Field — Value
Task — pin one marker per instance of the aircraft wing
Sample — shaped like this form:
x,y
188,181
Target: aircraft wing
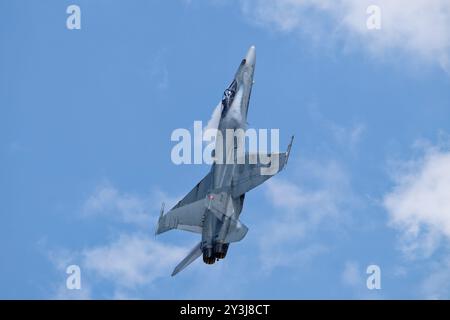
x,y
197,193
188,213
255,170
191,257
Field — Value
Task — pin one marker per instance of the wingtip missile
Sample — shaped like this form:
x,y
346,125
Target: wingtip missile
x,y
288,151
161,214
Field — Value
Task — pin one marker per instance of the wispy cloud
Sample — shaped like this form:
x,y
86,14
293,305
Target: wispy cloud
x,y
132,260
107,201
354,278
61,258
418,207
419,203
418,28
128,260
320,198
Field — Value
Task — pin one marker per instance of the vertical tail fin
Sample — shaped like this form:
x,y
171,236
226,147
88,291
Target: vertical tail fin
x,y
194,254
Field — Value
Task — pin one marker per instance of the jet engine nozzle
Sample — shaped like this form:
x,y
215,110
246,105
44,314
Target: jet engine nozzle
x,y
209,256
221,250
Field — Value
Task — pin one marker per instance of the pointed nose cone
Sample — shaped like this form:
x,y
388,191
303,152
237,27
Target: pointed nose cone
x,y
250,58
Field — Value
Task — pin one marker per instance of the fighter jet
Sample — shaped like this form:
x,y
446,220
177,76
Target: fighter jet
x,y
213,207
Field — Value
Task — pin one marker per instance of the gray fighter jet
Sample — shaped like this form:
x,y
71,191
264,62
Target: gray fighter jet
x,y
212,208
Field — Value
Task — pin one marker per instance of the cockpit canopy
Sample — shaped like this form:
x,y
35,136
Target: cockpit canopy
x,y
229,94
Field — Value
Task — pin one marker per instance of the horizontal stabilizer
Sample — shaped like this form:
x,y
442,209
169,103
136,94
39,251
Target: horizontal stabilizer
x,y
194,254
237,231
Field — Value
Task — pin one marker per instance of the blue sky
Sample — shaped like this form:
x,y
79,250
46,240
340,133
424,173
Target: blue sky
x,y
85,123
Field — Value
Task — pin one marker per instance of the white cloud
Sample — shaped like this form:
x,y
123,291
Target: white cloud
x,y
418,28
320,199
107,201
419,204
354,278
318,192
128,260
62,258
132,260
